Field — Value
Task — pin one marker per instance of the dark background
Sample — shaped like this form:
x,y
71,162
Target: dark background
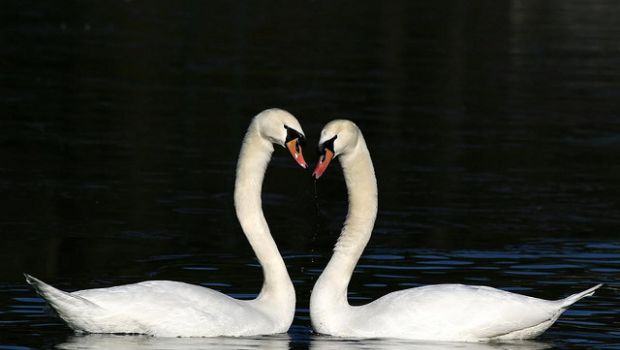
x,y
494,127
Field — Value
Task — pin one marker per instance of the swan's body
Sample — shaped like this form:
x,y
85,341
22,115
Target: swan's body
x,y
166,308
162,308
450,312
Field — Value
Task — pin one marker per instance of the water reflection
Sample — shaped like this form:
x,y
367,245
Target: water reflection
x,y
281,341
328,343
141,342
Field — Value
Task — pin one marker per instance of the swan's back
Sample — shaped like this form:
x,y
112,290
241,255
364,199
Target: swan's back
x,y
458,312
162,308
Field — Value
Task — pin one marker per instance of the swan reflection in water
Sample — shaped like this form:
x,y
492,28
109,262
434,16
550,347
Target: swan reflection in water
x,y
334,343
145,342
276,342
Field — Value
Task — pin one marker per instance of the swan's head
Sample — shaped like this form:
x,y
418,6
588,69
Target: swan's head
x,y
282,128
338,137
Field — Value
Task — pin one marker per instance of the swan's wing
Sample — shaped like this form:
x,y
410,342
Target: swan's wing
x,y
175,308
453,311
162,308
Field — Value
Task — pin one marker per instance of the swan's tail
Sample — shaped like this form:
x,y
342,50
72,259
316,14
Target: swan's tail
x,y
64,303
568,301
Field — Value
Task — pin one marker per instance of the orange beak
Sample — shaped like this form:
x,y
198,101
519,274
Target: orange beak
x,y
323,163
295,149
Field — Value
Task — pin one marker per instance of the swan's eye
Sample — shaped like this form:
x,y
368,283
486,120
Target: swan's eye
x,y
292,134
329,144
302,140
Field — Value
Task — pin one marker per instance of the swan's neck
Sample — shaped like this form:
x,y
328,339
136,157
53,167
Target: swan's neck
x,y
253,160
330,290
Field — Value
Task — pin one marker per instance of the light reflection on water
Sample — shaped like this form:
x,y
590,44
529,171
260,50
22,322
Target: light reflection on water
x,y
98,341
326,343
127,342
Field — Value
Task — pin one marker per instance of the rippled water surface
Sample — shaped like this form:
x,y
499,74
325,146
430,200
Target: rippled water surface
x,y
494,130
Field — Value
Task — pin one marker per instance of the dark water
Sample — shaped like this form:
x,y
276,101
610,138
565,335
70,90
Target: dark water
x,y
494,128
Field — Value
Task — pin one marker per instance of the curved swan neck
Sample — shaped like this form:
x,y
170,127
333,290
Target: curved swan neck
x,y
362,191
359,175
254,157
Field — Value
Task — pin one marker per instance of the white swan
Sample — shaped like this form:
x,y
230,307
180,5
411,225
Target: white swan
x,y
167,308
450,312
